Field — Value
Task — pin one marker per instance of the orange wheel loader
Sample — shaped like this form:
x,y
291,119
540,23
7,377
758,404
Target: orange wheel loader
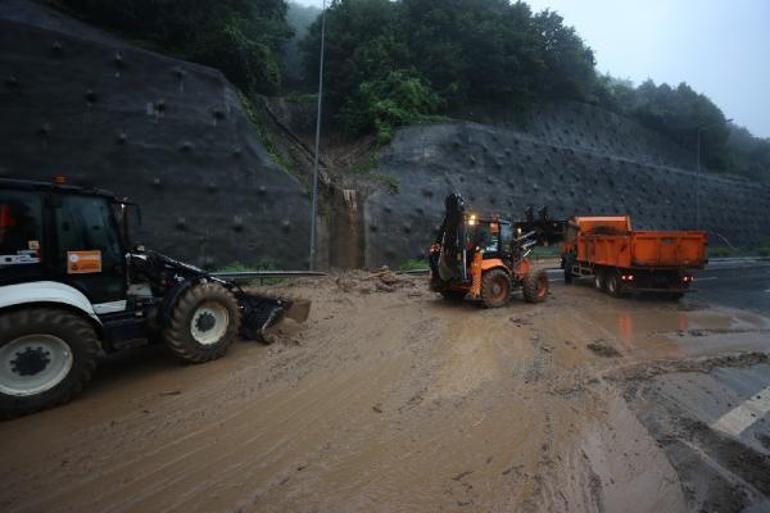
x,y
485,258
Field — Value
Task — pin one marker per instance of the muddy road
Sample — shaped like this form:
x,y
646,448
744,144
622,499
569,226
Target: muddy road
x,y
389,399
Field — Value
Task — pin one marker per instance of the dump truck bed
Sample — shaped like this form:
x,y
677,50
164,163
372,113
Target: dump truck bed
x,y
643,249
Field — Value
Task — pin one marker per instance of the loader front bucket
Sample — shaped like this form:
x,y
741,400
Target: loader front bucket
x,y
260,312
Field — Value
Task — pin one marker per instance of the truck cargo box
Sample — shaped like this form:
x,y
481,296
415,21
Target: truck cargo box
x,y
652,249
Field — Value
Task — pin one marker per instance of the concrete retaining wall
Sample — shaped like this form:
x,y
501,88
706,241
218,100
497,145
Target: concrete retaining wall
x,y
169,134
591,163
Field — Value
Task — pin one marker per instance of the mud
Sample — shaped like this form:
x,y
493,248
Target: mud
x,y
390,399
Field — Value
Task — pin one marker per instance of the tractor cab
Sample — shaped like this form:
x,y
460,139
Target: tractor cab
x,y
65,234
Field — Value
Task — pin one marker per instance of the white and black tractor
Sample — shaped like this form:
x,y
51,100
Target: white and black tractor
x,y
72,288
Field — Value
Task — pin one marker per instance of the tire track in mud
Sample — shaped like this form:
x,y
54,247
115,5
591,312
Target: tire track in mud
x,y
236,429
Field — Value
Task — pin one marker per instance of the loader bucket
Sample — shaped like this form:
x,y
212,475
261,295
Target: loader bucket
x,y
261,312
299,310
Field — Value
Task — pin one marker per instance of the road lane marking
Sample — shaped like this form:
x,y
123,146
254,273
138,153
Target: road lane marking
x,y
705,279
740,418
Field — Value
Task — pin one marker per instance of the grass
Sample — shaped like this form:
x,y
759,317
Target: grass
x,y
364,168
264,135
413,264
238,267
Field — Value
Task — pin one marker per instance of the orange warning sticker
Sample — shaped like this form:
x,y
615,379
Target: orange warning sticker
x,y
84,262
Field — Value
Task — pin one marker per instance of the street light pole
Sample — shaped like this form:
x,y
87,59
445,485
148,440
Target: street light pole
x,y
317,140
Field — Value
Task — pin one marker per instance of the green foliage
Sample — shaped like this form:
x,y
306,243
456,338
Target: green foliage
x,y
238,267
748,155
264,134
680,114
413,265
390,181
390,63
240,37
398,98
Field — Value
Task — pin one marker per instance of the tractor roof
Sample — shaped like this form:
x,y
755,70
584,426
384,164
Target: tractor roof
x,y
38,185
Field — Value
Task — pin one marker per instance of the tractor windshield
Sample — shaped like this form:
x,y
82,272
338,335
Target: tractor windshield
x,y
21,228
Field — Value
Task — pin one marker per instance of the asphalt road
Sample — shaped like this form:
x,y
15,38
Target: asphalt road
x,y
740,286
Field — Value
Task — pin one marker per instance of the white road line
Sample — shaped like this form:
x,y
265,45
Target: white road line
x,y
740,418
706,279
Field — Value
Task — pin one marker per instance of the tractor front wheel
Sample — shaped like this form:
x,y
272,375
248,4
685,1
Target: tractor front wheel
x,y
495,288
535,287
204,323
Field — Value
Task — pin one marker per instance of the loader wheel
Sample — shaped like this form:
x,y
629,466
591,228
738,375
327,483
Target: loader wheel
x,y
535,287
204,323
46,356
495,288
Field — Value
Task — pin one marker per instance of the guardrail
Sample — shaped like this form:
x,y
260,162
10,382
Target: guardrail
x,y
263,275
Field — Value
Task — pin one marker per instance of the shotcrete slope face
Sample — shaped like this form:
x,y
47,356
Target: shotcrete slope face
x,y
576,159
169,134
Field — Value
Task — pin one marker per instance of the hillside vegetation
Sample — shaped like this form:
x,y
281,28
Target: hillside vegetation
x,y
397,62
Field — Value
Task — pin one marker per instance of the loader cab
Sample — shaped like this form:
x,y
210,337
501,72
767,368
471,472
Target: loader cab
x,y
490,234
65,234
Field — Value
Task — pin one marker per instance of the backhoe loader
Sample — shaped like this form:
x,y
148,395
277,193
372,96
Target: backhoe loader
x,y
485,257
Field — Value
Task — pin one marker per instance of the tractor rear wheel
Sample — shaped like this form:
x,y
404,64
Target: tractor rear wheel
x,y
46,356
204,323
535,287
495,288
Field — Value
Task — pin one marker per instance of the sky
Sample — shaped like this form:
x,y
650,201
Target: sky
x,y
719,47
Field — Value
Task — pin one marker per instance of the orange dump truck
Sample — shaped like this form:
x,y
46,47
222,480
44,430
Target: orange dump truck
x,y
622,260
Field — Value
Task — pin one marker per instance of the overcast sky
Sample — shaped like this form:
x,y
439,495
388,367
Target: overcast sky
x,y
719,47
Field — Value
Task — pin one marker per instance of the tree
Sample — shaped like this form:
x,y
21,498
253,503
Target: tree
x,y
240,37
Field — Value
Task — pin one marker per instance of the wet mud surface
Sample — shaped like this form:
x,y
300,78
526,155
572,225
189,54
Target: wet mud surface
x,y
390,399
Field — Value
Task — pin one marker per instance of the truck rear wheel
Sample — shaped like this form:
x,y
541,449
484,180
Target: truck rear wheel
x,y
495,288
599,279
535,287
46,356
203,324
614,285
